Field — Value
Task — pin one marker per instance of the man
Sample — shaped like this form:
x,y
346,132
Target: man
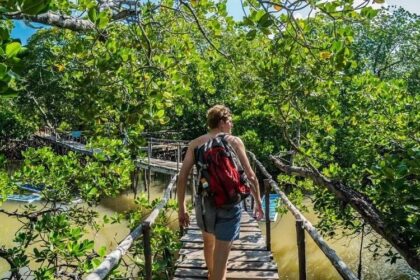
x,y
218,242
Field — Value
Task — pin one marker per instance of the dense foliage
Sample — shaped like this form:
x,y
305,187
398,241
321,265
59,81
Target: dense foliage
x,y
336,92
56,232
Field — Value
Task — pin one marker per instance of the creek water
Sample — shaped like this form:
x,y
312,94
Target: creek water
x,y
283,243
318,266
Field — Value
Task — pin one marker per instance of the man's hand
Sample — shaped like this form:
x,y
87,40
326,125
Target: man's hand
x,y
258,212
183,218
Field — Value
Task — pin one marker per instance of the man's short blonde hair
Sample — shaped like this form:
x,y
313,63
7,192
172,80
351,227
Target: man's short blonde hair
x,y
216,114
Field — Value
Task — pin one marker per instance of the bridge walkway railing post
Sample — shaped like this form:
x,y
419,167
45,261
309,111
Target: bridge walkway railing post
x,y
304,224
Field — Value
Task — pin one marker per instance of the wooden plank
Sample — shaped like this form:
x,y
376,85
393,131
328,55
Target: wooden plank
x,y
244,221
232,274
246,256
245,218
244,228
72,145
259,266
189,278
244,237
237,246
159,165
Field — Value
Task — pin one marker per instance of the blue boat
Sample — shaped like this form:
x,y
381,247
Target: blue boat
x,y
28,198
31,188
33,196
274,198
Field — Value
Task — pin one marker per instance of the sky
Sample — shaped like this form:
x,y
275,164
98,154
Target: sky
x,y
23,31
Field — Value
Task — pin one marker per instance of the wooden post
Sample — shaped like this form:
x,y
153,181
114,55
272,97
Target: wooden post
x,y
134,180
254,168
178,156
145,179
359,267
147,251
300,234
138,170
267,213
149,171
149,150
149,180
192,184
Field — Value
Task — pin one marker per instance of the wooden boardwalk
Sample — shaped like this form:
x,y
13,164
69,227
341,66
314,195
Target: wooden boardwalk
x,y
156,165
69,144
248,258
161,166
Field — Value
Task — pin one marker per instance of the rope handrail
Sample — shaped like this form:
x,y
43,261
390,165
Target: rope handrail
x,y
163,140
112,259
335,260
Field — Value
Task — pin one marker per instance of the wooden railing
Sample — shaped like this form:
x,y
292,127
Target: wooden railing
x,y
178,145
144,229
301,224
77,136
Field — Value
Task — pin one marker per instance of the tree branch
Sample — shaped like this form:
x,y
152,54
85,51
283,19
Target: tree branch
x,y
202,30
54,19
15,274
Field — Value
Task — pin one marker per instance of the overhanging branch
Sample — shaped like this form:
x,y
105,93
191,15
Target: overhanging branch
x,y
203,32
363,205
54,19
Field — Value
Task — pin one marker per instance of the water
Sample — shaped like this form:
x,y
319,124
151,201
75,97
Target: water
x,y
109,235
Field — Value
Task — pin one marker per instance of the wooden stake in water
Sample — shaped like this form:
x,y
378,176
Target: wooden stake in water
x,y
300,235
267,213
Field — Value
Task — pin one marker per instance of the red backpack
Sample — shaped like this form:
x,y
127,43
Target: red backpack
x,y
220,173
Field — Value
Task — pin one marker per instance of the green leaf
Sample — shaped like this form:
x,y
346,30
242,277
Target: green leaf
x,y
12,49
31,7
93,191
265,21
102,251
160,113
124,53
369,12
248,22
4,33
3,70
256,15
251,34
337,46
93,14
103,19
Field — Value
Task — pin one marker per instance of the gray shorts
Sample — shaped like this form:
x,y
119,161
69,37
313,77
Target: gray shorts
x,y
223,223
